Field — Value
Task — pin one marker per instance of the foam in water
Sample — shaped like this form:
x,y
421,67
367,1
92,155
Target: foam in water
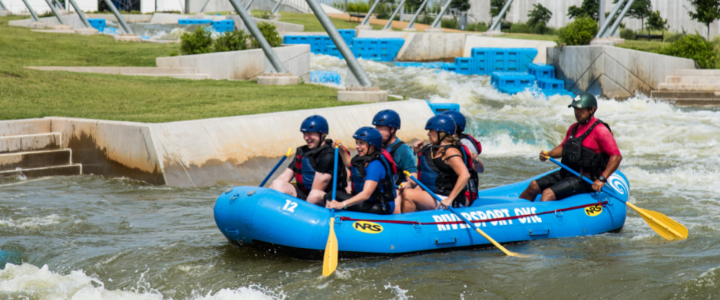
x,y
31,222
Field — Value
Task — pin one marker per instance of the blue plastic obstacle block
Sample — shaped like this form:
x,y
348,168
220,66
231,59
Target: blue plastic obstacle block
x,y
541,70
488,60
333,51
427,65
481,60
296,39
98,24
377,49
464,65
194,21
325,77
319,44
550,84
449,67
511,82
348,35
223,26
438,108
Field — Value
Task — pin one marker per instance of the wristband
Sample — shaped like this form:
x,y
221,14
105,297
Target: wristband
x,y
602,179
344,205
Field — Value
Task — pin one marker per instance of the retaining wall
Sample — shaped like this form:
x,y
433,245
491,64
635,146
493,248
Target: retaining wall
x,y
242,65
26,126
611,71
281,26
129,18
72,20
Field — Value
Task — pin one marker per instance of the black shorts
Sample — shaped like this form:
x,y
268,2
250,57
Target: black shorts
x,y
365,206
563,185
300,194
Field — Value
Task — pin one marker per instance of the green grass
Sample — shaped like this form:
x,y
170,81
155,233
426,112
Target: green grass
x,y
653,46
311,22
34,94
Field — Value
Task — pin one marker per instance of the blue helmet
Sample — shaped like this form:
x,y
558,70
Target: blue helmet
x,y
315,123
387,117
441,123
369,134
458,117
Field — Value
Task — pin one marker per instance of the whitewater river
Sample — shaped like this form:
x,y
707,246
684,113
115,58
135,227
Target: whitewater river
x,y
89,237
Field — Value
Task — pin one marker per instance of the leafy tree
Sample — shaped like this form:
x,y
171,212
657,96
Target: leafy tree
x,y
496,6
640,9
656,22
707,11
538,18
588,8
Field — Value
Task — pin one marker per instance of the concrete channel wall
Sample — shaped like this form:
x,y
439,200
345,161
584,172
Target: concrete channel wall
x,y
72,20
611,71
130,18
242,65
205,152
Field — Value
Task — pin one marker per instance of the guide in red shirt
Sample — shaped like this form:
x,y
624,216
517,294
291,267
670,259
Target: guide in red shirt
x,y
588,148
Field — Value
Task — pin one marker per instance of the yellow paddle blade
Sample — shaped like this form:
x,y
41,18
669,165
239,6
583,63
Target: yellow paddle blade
x,y
664,226
288,152
503,249
331,251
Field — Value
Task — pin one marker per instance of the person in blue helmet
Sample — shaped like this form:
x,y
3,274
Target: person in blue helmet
x,y
472,148
312,167
442,168
387,122
373,173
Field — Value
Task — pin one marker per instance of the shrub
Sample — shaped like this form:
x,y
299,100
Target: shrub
x,y
672,37
695,47
627,34
481,26
579,32
269,31
231,41
196,42
447,23
357,7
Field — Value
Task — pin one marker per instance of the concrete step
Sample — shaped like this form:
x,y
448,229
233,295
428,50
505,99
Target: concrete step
x,y
122,70
66,170
696,72
688,87
29,142
197,76
35,159
693,79
694,98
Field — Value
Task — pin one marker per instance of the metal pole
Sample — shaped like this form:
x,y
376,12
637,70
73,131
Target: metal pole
x,y
32,12
615,25
438,18
203,7
2,5
252,27
389,23
119,17
248,6
367,17
352,63
411,24
601,13
80,14
55,12
500,16
277,7
612,14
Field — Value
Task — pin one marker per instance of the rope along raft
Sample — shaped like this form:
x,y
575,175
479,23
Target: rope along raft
x,y
475,221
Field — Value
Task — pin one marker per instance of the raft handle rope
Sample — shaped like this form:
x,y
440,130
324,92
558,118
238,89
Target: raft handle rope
x,y
474,221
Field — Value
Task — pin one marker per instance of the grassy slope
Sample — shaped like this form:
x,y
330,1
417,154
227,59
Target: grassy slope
x,y
311,22
30,94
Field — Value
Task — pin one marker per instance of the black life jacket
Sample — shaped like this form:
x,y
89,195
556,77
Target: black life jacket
x,y
439,182
582,159
385,190
305,164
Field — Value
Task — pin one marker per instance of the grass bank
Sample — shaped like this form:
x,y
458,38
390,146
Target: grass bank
x,y
34,94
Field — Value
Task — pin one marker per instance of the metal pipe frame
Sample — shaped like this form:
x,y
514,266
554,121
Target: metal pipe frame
x,y
366,20
601,13
615,25
32,12
500,16
411,24
247,7
55,11
2,5
252,27
80,14
612,14
119,17
438,18
204,5
389,23
276,8
339,42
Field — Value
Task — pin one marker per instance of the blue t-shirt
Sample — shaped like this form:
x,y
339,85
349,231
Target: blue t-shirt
x,y
375,172
404,158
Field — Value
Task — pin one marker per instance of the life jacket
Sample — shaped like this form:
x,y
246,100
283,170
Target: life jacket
x,y
474,181
400,176
478,146
385,190
305,162
429,173
582,159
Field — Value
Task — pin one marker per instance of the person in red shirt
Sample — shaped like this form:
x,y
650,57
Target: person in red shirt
x,y
588,148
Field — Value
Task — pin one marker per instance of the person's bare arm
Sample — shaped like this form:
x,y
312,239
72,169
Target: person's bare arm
x,y
554,153
286,175
457,164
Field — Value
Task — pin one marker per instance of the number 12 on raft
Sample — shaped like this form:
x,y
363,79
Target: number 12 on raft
x,y
289,206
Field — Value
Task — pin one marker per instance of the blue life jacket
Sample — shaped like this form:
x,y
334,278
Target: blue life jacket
x,y
430,174
385,191
305,172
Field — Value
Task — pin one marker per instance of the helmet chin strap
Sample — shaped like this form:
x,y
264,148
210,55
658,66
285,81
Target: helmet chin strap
x,y
589,117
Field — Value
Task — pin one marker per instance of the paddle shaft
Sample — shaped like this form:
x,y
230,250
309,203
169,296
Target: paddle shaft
x,y
331,249
451,209
276,167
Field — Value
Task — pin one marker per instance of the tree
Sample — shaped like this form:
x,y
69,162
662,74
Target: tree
x,y
656,22
538,18
707,11
640,9
588,8
496,6
461,6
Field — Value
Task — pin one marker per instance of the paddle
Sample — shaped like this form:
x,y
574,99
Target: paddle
x,y
276,166
330,260
663,225
508,252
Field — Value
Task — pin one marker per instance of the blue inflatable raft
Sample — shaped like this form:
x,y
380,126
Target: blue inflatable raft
x,y
273,221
